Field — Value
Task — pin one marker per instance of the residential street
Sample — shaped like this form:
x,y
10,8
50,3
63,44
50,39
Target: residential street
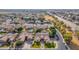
x,y
61,44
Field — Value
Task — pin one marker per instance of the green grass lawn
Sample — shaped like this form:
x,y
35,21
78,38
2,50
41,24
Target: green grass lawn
x,y
36,44
50,45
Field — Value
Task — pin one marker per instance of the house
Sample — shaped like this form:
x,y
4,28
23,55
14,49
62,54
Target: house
x,y
12,37
3,40
21,37
44,36
29,36
25,36
29,26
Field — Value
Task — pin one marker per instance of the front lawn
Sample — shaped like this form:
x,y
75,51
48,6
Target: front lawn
x,y
36,44
50,45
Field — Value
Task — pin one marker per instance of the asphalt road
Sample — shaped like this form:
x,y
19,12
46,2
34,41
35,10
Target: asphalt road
x,y
61,44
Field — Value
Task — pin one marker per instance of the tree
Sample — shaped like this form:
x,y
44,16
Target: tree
x,y
47,45
53,45
62,22
52,32
19,29
78,35
68,37
38,30
18,43
50,45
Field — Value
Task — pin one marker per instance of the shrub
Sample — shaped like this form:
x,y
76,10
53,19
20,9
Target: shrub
x,y
38,30
19,29
36,44
52,32
49,45
18,43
